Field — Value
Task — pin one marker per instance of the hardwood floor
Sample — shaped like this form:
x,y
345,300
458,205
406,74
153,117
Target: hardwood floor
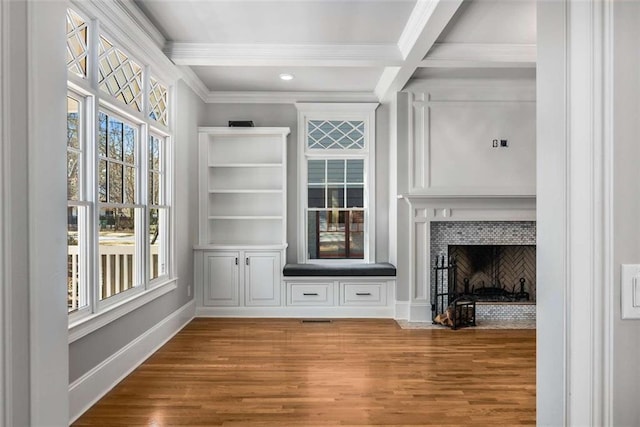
x,y
259,372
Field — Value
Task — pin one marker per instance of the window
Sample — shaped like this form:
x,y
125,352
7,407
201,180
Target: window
x,y
118,174
336,182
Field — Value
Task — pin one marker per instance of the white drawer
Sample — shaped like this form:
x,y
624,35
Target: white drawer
x,y
363,293
317,294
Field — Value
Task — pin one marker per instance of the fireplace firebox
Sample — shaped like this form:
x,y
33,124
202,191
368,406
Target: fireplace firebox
x,y
484,273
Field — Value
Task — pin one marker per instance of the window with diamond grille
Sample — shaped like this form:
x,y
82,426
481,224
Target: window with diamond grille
x,y
120,76
158,97
335,135
77,33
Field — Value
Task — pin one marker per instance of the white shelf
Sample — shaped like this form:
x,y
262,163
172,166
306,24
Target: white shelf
x,y
245,191
246,217
243,194
245,165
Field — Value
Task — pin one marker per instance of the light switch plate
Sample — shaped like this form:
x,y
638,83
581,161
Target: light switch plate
x,y
630,283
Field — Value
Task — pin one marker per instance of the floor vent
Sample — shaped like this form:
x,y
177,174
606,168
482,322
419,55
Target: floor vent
x,y
316,320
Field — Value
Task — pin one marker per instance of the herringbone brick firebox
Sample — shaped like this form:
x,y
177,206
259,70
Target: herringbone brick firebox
x,y
513,240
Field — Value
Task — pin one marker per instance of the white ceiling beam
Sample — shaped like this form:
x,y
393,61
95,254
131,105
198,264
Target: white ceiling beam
x,y
427,21
322,55
268,97
480,55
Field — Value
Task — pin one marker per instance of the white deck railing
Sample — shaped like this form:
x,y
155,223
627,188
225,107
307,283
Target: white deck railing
x,y
116,270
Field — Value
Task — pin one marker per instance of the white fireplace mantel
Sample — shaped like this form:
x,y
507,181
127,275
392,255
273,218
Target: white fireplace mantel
x,y
431,207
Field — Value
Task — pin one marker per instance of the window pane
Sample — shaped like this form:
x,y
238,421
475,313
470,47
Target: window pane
x,y
129,144
154,153
315,171
76,288
355,171
158,247
129,185
335,171
73,175
114,138
102,134
330,238
356,234
117,249
355,196
335,134
158,100
316,197
76,44
115,183
119,75
102,180
73,123
335,197
154,188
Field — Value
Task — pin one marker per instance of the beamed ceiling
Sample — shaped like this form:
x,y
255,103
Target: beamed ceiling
x,y
341,49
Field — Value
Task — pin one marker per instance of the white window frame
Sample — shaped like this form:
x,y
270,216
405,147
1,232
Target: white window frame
x,y
365,112
101,312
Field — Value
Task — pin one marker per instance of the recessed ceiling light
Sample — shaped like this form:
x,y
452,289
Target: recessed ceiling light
x,y
286,77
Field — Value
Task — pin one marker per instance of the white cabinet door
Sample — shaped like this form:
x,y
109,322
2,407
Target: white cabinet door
x,y
262,273
221,279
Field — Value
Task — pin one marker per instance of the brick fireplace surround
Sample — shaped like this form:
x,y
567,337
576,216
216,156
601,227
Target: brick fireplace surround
x,y
444,233
438,220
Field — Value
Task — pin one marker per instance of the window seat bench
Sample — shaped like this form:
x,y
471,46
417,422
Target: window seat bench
x,y
382,269
347,290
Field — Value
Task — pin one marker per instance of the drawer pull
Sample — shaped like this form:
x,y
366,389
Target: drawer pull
x,y
363,294
310,294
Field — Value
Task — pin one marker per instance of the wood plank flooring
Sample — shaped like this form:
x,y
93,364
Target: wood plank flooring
x,y
263,372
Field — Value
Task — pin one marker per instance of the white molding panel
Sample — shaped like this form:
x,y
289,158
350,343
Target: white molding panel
x,y
268,97
453,131
325,55
89,388
480,55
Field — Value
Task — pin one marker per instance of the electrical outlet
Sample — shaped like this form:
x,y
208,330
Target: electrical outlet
x,y
504,143
495,143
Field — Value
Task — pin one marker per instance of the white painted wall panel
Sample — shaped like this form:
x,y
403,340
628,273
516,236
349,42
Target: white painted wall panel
x,y
460,145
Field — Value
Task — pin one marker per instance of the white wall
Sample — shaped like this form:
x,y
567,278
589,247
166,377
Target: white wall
x,y
454,123
285,115
33,112
626,371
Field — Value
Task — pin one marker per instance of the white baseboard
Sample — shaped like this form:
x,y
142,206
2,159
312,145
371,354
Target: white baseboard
x,y
419,312
384,312
88,389
402,310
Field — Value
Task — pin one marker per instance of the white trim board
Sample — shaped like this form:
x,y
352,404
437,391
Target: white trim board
x,y
303,312
5,401
88,389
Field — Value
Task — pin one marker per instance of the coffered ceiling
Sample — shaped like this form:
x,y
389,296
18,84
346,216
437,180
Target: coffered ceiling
x,y
339,49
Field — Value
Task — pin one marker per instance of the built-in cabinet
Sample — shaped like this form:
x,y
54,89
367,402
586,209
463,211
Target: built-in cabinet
x,y
243,277
242,216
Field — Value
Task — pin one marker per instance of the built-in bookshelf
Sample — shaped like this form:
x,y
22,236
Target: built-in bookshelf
x,y
243,186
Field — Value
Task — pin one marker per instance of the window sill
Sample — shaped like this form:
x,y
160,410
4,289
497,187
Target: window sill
x,y
86,325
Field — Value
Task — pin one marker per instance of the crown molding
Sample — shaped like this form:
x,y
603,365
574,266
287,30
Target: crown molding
x,y
480,55
142,21
194,82
268,97
328,55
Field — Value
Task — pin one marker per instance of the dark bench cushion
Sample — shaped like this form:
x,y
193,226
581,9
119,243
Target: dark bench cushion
x,y
378,269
